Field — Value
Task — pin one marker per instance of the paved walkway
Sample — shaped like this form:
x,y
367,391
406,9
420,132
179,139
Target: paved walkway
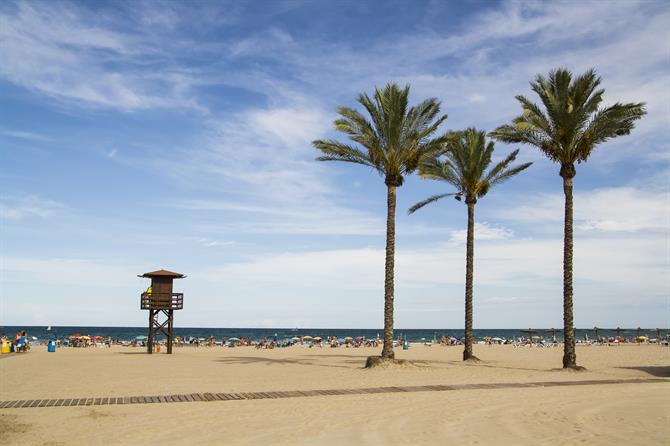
x,y
182,398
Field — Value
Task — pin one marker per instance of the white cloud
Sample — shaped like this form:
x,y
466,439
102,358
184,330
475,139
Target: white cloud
x,y
24,135
477,98
316,217
209,243
59,53
632,264
64,271
21,207
483,231
263,160
360,267
615,209
291,126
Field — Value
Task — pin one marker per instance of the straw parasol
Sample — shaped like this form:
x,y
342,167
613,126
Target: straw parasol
x,y
530,332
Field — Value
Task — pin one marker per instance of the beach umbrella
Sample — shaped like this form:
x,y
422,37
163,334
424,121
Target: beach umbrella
x,y
360,338
496,339
317,338
307,337
340,340
141,338
295,338
234,339
348,339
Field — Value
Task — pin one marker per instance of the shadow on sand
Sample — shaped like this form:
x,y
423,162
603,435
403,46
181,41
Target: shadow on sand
x,y
273,361
659,371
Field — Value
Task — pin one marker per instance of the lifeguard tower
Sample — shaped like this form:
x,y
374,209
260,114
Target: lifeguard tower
x,y
161,301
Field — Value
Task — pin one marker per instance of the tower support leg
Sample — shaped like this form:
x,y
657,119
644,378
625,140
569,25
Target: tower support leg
x,y
150,338
170,333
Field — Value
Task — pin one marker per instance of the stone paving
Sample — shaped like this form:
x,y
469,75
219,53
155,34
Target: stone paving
x,y
206,397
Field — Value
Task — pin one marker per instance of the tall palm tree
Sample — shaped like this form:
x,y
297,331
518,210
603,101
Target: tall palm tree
x,y
466,167
571,125
393,142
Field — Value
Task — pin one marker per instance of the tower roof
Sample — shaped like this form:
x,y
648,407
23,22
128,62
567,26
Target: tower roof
x,y
163,273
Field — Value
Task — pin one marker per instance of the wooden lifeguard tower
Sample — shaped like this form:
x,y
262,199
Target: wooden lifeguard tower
x,y
160,300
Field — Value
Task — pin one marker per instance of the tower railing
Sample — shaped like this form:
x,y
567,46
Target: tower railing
x,y
161,301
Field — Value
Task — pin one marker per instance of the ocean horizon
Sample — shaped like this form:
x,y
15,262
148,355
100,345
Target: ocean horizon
x,y
413,335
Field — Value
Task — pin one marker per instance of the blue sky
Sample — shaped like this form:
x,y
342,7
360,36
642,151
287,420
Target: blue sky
x,y
144,135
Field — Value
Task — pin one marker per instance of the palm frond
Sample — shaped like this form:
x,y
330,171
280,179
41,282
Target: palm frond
x,y
508,173
464,163
337,151
395,138
572,122
428,200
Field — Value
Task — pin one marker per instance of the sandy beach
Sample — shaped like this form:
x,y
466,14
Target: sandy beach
x,y
631,413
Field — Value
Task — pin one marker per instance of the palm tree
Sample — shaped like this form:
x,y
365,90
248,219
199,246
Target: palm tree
x,y
571,125
466,167
393,142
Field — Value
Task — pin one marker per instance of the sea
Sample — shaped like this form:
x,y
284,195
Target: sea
x,y
412,335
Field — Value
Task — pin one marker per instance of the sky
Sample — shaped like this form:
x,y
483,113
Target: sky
x,y
136,136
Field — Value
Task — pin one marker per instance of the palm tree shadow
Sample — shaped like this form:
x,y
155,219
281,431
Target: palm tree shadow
x,y
490,365
276,361
658,371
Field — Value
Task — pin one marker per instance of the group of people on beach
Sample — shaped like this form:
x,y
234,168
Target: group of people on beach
x,y
20,343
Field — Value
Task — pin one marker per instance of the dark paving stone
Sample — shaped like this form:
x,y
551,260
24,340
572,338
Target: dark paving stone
x,y
303,393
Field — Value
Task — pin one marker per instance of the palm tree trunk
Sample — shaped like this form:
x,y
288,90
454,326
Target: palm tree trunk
x,y
569,356
469,272
387,351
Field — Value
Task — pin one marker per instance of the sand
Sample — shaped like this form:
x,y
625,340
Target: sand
x,y
630,413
